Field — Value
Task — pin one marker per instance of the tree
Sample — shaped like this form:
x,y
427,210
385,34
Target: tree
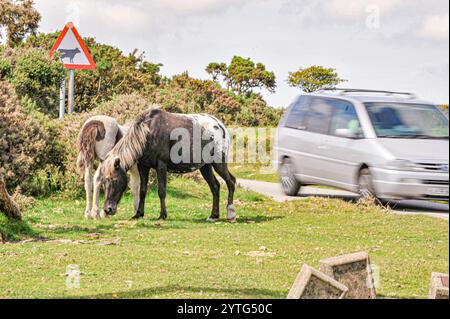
x,y
314,78
243,75
19,18
33,75
116,73
216,69
7,204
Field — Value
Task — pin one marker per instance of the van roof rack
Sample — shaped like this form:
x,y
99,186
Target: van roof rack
x,y
389,93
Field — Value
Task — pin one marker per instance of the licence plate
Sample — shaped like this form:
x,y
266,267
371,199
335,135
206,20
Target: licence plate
x,y
438,191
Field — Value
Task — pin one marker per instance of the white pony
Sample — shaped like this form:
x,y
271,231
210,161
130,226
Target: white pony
x,y
96,139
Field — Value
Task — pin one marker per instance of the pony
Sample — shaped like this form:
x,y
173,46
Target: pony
x,y
96,139
168,142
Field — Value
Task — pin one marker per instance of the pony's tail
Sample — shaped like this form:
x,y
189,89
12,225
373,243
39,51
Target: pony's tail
x,y
86,147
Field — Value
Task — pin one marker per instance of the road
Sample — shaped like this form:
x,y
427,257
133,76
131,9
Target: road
x,y
404,207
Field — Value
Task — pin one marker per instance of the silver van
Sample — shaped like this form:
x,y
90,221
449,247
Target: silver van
x,y
387,145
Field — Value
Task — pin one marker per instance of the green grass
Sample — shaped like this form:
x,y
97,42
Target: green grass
x,y
185,257
255,172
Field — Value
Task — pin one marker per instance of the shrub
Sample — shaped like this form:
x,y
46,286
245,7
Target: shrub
x,y
27,148
5,68
184,94
34,76
116,72
256,112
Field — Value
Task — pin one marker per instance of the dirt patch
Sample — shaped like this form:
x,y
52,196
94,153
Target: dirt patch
x,y
114,242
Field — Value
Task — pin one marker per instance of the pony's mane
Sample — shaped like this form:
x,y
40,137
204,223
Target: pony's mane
x,y
130,147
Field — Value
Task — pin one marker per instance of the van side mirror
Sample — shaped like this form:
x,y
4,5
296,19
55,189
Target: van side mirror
x,y
345,132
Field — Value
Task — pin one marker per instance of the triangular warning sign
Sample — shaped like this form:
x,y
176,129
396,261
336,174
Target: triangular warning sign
x,y
74,53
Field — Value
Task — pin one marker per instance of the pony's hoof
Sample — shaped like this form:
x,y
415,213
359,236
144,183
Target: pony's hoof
x,y
212,220
232,220
101,215
96,214
87,214
137,217
231,214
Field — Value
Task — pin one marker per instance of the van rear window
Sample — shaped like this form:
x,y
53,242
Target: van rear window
x,y
297,115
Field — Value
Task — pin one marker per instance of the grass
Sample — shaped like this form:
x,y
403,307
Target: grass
x,y
255,172
185,257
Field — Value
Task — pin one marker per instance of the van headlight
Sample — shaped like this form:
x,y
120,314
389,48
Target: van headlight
x,y
401,165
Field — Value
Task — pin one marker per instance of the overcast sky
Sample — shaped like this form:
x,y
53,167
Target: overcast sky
x,y
376,44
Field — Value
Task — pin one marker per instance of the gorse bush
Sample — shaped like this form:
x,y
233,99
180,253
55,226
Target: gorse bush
x,y
28,150
183,94
255,112
34,76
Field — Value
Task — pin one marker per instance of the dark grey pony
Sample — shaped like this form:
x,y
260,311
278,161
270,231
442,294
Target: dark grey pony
x,y
170,142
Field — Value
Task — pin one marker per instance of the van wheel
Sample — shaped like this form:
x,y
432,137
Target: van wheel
x,y
365,182
289,183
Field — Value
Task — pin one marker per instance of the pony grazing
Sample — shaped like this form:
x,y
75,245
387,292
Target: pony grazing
x,y
170,142
96,139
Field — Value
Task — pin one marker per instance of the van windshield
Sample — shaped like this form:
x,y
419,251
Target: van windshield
x,y
402,120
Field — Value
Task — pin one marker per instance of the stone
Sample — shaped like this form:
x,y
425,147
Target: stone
x,y
312,284
354,271
439,286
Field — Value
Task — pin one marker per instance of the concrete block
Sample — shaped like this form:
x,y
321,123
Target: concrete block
x,y
312,284
353,271
439,286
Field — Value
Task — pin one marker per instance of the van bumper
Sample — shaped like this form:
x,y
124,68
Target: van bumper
x,y
410,185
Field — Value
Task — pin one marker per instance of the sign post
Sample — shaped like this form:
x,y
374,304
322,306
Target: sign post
x,y
71,90
62,99
75,56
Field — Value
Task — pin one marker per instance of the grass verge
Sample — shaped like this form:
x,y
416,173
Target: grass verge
x,y
185,257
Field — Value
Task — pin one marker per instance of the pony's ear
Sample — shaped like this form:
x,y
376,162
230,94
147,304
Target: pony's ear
x,y
117,163
154,112
151,115
148,116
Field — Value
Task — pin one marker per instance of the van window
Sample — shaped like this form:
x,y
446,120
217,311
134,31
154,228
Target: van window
x,y
319,115
345,121
404,120
296,118
286,113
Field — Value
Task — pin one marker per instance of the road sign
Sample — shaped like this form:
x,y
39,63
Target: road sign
x,y
75,56
74,53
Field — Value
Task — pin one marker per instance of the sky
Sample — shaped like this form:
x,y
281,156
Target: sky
x,y
374,44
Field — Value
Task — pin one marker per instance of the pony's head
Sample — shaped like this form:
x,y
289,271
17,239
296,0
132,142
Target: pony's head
x,y
115,182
